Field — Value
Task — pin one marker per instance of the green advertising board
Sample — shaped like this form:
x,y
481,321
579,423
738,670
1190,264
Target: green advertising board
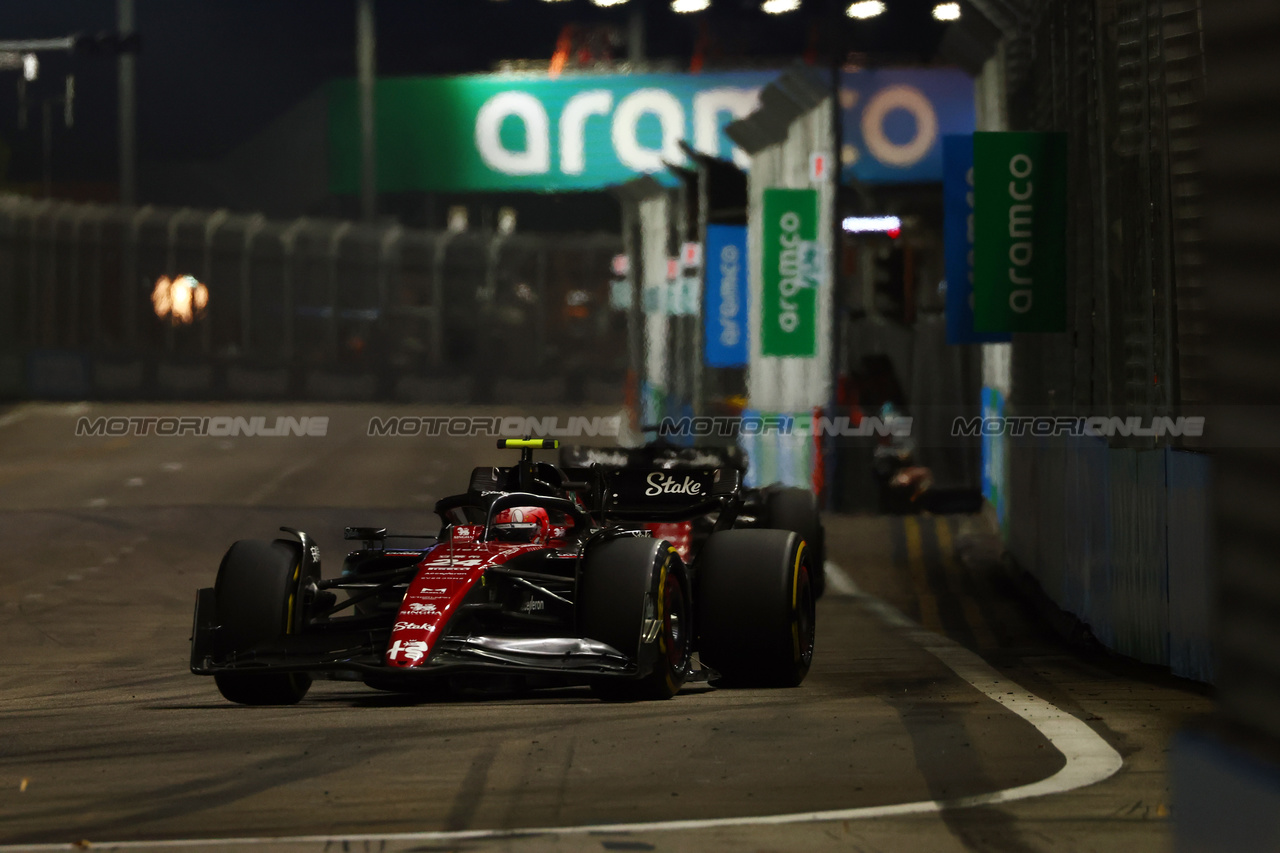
x,y
791,273
515,131
1019,232
533,132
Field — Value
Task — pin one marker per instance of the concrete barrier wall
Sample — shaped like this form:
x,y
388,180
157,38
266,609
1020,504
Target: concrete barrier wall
x,y
1191,587
1119,538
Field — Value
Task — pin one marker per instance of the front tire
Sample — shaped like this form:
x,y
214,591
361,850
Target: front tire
x,y
756,607
631,588
257,600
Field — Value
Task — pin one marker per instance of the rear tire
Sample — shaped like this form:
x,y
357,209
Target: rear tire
x,y
756,607
257,601
797,510
626,584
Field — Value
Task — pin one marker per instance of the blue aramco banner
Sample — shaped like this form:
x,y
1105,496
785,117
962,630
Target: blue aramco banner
x,y
957,229
590,131
894,120
725,302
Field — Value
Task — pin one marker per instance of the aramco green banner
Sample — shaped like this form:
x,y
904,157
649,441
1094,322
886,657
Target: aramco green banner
x,y
1019,232
591,131
791,269
508,132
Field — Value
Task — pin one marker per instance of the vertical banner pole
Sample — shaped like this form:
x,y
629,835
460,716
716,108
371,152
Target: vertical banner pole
x,y
365,70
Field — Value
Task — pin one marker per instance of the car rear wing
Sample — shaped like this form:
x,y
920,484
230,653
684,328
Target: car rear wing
x,y
659,494
654,455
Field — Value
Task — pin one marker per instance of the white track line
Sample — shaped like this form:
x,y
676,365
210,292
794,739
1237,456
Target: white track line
x,y
1089,760
275,482
14,417
837,581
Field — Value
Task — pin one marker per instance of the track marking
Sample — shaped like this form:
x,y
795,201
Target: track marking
x,y
946,554
838,582
23,412
929,615
275,482
1089,760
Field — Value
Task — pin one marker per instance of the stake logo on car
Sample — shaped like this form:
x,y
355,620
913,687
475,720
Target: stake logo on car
x,y
664,484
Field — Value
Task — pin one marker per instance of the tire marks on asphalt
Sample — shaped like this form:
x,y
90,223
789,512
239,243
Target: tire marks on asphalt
x,y
471,790
946,597
926,598
977,622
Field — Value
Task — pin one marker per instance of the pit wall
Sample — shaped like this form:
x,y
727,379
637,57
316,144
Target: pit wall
x,y
1119,538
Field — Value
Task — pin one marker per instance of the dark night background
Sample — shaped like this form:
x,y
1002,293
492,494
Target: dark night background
x,y
212,73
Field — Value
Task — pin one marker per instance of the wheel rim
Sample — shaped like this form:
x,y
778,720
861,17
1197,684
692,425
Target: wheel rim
x,y
674,623
804,622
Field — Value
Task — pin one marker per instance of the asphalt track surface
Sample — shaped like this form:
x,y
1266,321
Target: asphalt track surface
x,y
902,738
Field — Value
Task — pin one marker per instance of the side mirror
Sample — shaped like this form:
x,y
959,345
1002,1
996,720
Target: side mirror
x,y
372,537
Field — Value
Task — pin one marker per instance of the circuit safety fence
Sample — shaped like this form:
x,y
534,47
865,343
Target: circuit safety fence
x,y
84,311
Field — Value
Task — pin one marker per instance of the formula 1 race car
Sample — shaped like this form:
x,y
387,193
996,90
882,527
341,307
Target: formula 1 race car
x,y
533,577
773,506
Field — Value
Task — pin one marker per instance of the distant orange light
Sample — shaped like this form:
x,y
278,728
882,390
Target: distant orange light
x,y
180,300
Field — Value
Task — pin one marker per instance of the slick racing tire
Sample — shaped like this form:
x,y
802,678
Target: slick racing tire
x,y
635,596
756,607
257,601
797,510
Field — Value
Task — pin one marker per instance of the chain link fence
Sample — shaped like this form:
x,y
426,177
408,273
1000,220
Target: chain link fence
x,y
302,308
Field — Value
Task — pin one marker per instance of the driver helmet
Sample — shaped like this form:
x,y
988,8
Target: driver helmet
x,y
522,524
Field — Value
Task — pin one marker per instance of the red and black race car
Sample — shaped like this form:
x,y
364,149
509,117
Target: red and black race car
x,y
533,575
774,505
